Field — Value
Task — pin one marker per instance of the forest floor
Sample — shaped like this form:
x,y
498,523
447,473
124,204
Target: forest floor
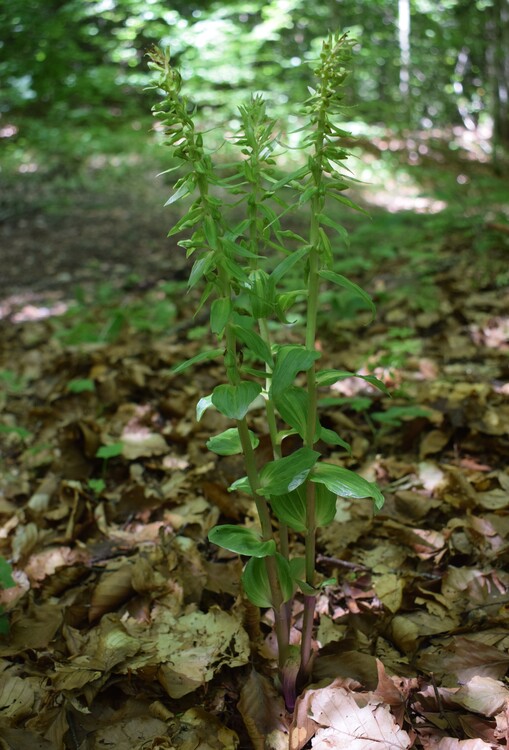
x,y
127,629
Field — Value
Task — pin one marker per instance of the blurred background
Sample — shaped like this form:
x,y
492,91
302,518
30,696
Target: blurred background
x,y
426,103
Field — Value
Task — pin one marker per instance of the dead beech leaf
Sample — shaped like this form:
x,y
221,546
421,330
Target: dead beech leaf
x,y
17,697
142,443
113,589
450,743
484,695
37,629
261,709
346,722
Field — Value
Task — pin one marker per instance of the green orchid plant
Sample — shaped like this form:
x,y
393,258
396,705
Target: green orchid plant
x,y
243,265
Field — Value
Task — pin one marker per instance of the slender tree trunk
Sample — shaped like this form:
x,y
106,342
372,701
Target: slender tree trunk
x,y
404,47
498,68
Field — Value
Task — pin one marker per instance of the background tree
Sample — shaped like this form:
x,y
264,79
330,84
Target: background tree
x,y
420,64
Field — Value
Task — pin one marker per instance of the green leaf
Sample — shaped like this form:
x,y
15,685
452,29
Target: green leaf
x,y
325,247
201,407
80,385
284,267
339,280
324,219
96,485
220,311
290,508
201,357
241,540
255,580
6,579
189,220
346,483
328,377
325,505
293,405
332,438
286,474
228,443
240,485
289,361
254,343
347,202
200,268
110,451
183,190
233,401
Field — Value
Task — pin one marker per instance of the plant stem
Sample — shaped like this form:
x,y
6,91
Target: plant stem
x,y
311,321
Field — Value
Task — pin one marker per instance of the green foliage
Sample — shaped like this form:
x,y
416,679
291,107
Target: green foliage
x,y
80,62
81,385
6,582
110,451
241,263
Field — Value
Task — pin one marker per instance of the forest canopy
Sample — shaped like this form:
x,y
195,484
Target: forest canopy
x,y
419,64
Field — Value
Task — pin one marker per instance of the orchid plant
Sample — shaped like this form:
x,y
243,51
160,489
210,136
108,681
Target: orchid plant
x,y
242,264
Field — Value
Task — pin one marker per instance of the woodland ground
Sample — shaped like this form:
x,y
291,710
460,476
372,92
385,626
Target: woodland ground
x,y
127,629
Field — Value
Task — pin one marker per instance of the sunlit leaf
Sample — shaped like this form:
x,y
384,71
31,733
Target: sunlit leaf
x,y
233,401
228,443
286,474
203,404
241,540
346,483
110,451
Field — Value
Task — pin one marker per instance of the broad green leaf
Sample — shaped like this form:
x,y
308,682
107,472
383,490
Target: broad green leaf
x,y
339,280
201,357
241,540
286,474
289,361
254,343
325,505
328,377
201,407
290,508
256,581
233,401
346,483
110,451
227,443
293,405
220,311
